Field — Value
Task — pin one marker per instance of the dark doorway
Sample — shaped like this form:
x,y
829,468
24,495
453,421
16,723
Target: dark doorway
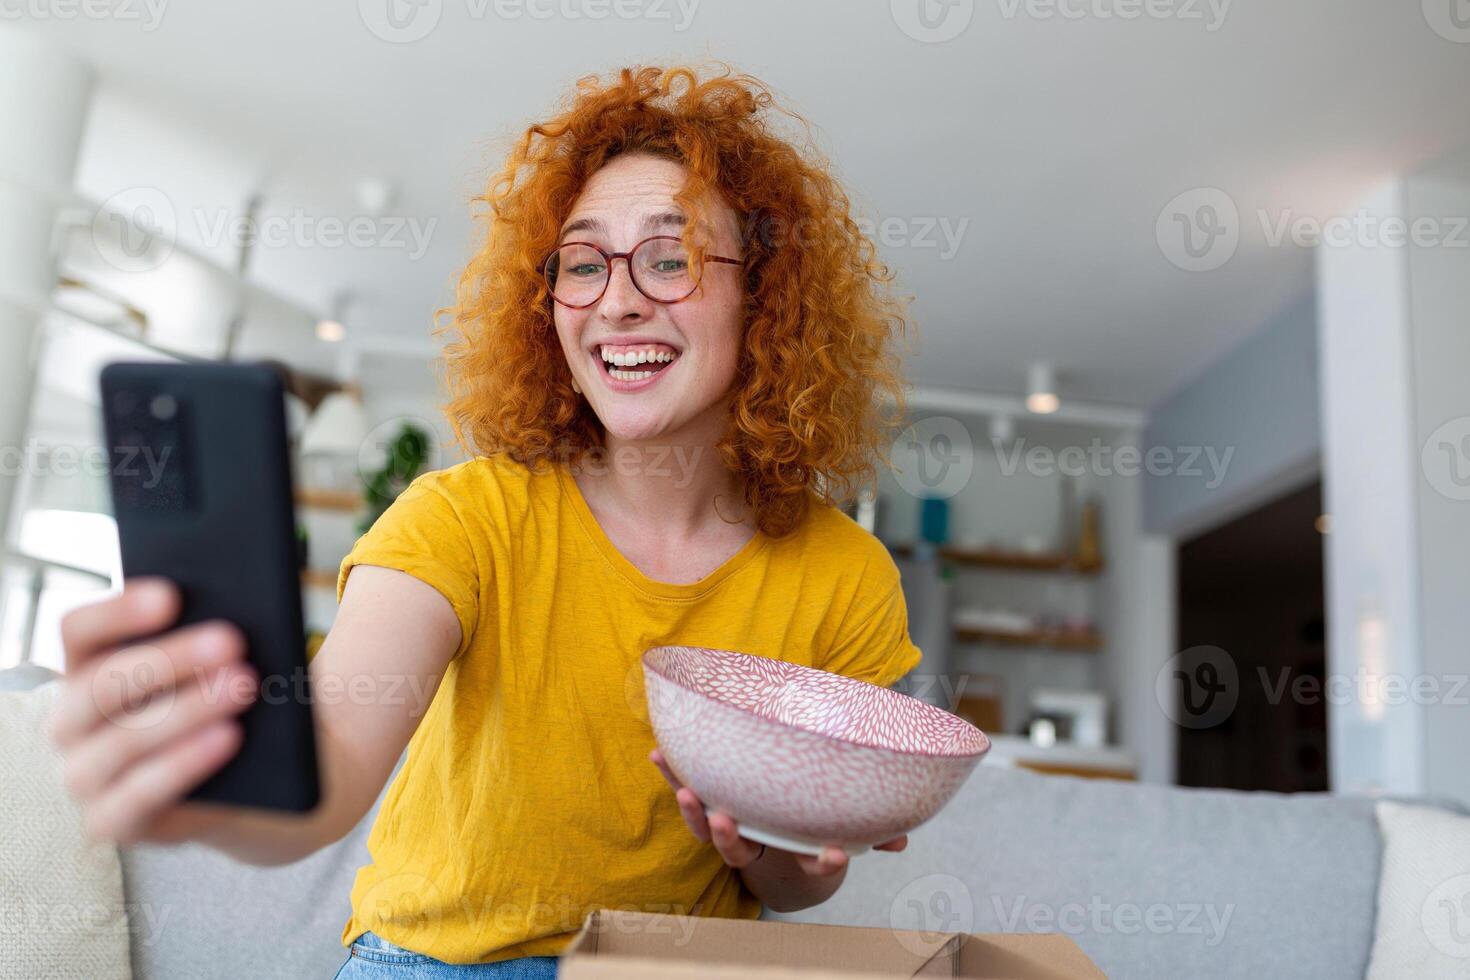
x,y
1254,588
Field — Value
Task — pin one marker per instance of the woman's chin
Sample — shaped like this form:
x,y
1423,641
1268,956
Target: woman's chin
x,y
639,428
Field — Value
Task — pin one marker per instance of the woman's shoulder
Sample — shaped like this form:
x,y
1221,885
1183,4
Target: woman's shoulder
x,y
829,538
488,477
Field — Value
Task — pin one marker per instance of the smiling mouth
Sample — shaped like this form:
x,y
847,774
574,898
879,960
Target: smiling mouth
x,y
636,362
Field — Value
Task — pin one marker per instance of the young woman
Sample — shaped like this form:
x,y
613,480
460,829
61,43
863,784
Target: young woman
x,y
673,354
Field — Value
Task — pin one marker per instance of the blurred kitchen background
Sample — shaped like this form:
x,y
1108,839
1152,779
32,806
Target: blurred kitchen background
x,y
1187,494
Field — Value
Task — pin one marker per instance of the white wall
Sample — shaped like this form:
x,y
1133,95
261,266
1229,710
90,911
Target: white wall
x,y
1257,410
1439,295
1395,347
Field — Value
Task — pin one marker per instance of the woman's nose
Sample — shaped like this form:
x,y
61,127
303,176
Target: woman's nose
x,y
622,297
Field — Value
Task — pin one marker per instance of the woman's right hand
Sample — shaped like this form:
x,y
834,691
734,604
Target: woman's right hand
x,y
140,724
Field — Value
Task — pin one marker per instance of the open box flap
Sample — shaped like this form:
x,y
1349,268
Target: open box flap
x,y
617,945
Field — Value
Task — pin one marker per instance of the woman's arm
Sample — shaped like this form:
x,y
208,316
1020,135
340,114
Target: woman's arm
x,y
372,681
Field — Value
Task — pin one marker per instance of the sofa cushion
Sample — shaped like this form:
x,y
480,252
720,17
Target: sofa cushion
x,y
203,915
61,895
1423,928
1150,881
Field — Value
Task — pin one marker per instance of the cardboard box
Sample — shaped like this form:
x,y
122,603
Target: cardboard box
x,y
616,945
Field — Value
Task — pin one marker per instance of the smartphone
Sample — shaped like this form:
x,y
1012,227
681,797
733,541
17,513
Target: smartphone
x,y
202,494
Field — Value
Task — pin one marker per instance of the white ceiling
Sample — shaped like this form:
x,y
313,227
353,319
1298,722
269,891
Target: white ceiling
x,y
1059,140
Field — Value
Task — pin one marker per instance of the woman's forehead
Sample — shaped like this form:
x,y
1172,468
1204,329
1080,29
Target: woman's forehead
x,y
638,188
633,213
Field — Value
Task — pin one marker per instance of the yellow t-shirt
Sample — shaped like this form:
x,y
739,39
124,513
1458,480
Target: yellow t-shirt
x,y
526,798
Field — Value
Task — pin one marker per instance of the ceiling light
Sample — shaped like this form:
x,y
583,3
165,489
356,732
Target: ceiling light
x,y
1041,389
331,331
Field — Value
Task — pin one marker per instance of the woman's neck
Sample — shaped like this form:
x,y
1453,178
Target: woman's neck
x,y
677,483
669,505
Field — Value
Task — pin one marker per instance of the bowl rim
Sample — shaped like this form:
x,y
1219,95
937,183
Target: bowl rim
x,y
980,753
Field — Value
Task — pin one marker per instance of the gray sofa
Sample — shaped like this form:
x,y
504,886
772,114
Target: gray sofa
x,y
1150,881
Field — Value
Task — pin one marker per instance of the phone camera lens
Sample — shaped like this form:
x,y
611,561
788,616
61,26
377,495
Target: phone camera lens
x,y
163,407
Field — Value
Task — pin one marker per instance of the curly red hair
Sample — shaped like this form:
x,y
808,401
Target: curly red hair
x,y
818,388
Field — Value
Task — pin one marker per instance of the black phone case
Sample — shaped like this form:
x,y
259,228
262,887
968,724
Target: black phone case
x,y
212,509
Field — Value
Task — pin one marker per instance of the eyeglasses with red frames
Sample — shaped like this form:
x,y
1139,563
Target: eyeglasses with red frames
x,y
577,273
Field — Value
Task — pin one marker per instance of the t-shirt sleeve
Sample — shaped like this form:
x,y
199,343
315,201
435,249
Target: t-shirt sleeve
x,y
422,534
875,646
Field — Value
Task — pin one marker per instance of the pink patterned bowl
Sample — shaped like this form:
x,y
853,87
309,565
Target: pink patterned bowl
x,y
803,757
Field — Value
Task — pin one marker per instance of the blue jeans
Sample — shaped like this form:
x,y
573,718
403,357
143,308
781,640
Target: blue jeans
x,y
374,957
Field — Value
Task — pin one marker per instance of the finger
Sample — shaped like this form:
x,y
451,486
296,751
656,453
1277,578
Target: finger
x,y
693,812
829,862
118,688
145,606
897,844
736,850
657,758
128,807
101,759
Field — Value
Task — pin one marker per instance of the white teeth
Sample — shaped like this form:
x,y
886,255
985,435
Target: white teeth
x,y
633,358
630,375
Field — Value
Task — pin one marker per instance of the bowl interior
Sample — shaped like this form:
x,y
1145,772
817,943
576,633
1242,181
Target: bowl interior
x,y
818,701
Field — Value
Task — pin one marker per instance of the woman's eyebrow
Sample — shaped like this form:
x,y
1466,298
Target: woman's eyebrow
x,y
662,219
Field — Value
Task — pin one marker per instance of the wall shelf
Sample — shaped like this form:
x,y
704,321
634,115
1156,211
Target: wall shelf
x,y
345,500
1025,561
1068,640
1046,561
316,578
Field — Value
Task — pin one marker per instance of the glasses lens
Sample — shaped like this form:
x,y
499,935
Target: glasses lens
x,y
576,274
662,267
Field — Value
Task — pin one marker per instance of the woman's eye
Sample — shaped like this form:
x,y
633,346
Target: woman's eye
x,y
584,269
670,265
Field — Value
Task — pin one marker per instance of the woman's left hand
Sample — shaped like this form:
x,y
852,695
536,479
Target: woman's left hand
x,y
721,830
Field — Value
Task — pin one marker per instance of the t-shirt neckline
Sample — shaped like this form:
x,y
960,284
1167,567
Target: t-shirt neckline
x,y
631,572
